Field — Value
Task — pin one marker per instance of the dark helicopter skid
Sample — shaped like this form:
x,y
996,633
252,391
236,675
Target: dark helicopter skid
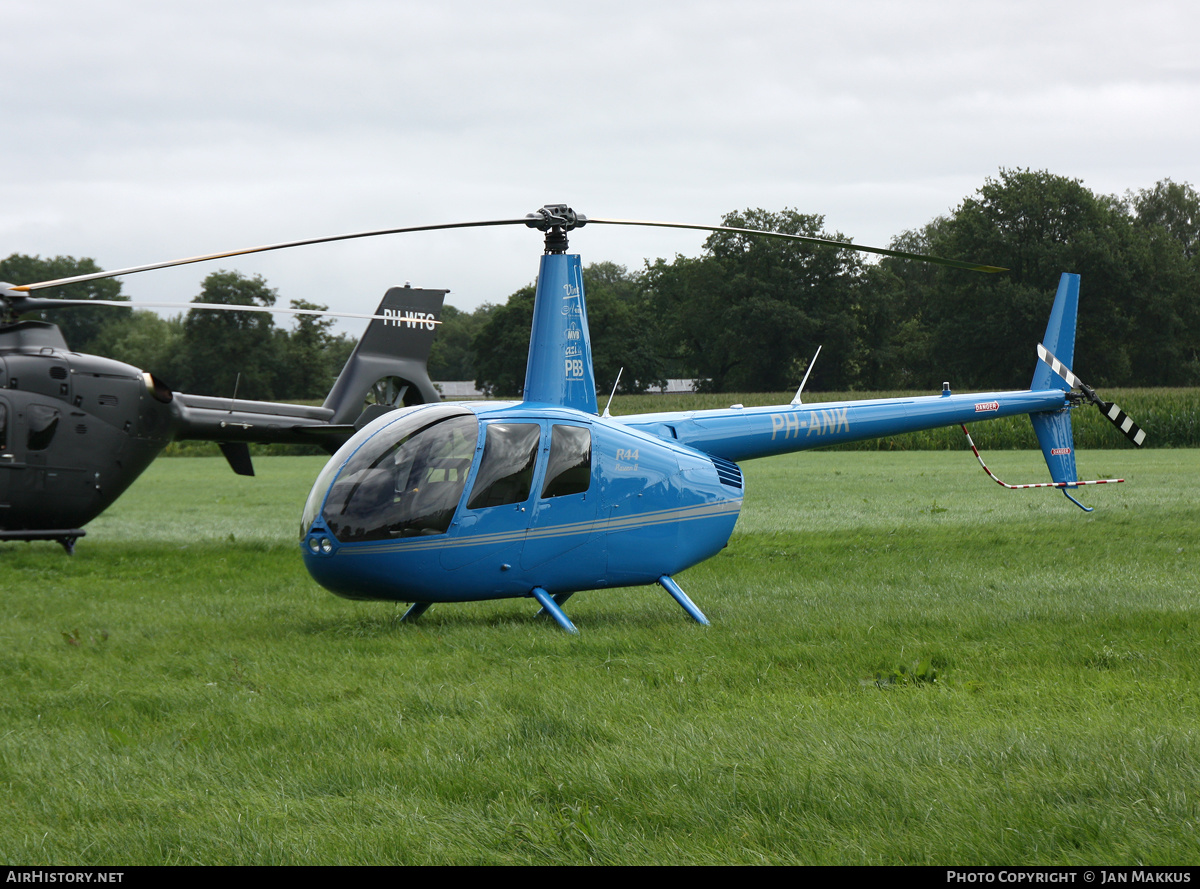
x,y
64,536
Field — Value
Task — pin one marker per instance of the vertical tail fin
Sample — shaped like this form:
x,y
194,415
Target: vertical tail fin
x,y
1053,428
392,353
559,370
1060,335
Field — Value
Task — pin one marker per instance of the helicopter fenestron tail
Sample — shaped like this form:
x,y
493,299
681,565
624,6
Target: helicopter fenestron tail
x,y
387,366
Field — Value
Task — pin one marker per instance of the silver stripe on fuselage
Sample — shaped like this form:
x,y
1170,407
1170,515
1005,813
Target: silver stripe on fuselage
x,y
622,524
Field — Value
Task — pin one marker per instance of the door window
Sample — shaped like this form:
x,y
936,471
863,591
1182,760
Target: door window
x,y
506,470
570,468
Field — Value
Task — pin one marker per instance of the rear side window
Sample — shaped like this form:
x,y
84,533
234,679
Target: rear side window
x,y
570,468
506,470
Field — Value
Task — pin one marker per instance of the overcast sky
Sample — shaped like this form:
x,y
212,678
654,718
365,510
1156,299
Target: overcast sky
x,y
141,131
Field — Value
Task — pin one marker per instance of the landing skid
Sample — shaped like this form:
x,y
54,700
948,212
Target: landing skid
x,y
66,537
552,605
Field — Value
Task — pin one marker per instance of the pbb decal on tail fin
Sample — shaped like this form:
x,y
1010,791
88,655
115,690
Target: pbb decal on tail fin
x,y
387,366
559,369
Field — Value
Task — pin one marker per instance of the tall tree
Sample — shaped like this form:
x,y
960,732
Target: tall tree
x,y
1167,216
306,365
750,313
228,351
1038,225
621,323
897,345
80,326
1173,206
147,342
623,328
453,354
502,346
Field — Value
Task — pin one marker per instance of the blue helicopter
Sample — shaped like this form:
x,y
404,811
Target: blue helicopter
x,y
547,497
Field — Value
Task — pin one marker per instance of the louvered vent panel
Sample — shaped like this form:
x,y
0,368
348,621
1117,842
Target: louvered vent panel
x,y
728,472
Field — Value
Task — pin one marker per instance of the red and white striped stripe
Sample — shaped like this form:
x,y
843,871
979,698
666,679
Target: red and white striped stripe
x,y
992,475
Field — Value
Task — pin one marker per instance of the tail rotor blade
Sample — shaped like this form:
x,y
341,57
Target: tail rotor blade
x,y
1122,421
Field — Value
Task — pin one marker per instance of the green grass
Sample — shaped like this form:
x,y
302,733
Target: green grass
x,y
180,692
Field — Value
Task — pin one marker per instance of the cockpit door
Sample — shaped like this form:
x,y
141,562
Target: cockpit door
x,y
565,522
493,518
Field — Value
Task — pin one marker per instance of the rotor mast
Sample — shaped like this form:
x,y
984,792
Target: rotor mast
x,y
559,368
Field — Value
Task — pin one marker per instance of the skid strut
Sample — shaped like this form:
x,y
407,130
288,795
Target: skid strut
x,y
682,598
551,607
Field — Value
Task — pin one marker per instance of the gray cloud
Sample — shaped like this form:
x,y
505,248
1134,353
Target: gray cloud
x,y
139,131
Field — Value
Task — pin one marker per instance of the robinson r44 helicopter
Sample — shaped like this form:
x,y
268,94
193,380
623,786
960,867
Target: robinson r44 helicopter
x,y
546,497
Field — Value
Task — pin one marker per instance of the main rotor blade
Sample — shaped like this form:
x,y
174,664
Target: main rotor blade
x,y
526,221
42,285
807,239
35,304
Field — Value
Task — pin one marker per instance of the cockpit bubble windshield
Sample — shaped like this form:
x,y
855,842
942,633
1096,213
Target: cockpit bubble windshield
x,y
405,480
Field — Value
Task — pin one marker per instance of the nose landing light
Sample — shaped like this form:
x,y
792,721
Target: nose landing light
x,y
318,541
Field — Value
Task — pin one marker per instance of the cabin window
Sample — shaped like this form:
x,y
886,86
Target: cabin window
x,y
570,468
506,470
406,480
43,422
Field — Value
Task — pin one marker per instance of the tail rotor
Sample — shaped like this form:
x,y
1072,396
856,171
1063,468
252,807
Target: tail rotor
x,y
1116,416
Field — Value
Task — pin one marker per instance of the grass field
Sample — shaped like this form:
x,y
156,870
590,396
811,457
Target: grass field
x,y
907,664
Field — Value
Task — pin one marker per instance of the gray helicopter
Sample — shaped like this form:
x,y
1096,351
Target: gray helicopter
x,y
77,430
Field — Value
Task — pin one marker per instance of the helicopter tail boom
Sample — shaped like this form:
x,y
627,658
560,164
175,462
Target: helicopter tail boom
x,y
388,365
739,433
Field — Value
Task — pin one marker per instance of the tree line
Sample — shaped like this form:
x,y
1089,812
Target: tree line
x,y
204,352
748,314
